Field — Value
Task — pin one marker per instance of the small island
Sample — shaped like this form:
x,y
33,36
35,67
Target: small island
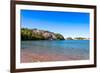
x,y
77,38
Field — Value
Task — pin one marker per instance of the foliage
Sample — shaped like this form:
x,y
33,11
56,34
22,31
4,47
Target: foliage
x,y
35,34
59,36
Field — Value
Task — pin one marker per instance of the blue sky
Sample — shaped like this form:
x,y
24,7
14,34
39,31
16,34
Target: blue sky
x,y
69,24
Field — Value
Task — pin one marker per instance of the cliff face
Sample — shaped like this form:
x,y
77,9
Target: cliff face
x,y
35,34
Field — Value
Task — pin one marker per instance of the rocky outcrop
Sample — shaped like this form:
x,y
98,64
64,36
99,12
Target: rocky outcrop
x,y
36,34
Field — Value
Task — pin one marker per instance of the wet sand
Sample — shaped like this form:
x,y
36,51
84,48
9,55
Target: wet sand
x,y
28,56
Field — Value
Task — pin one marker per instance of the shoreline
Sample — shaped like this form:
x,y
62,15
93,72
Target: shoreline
x,y
29,56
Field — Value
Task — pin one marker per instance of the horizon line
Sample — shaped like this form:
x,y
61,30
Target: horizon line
x,y
56,32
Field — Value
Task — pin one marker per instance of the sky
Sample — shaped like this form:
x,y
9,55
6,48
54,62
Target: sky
x,y
69,24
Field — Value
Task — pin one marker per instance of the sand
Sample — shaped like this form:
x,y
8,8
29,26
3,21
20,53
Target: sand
x,y
28,56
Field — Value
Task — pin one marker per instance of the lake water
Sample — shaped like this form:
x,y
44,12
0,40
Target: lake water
x,y
60,47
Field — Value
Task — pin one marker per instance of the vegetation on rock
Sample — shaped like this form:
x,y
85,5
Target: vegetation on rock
x,y
35,34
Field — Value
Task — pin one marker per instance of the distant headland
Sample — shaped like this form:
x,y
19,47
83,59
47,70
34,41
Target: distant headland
x,y
77,38
37,34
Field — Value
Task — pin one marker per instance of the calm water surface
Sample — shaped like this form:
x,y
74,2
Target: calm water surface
x,y
63,47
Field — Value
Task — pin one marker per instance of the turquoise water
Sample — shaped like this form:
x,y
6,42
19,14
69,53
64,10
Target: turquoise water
x,y
63,47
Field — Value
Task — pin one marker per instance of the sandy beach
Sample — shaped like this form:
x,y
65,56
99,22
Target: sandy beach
x,y
28,56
